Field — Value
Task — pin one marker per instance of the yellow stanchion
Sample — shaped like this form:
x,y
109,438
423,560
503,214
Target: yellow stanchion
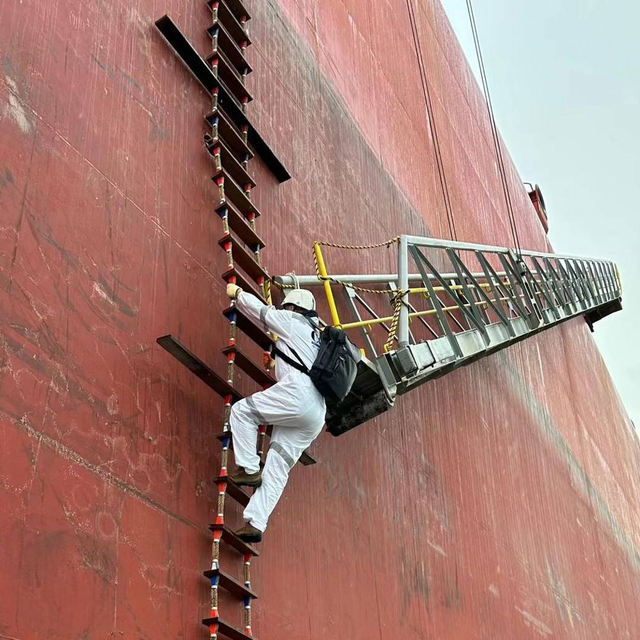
x,y
322,272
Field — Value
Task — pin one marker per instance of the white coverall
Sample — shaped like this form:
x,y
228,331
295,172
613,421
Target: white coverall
x,y
293,406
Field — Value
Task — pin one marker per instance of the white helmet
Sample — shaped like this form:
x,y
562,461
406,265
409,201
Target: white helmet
x,y
300,298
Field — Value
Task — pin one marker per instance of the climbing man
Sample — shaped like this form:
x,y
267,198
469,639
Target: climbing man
x,y
293,406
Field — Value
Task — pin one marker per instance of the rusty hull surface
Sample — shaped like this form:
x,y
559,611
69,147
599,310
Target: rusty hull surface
x,y
498,502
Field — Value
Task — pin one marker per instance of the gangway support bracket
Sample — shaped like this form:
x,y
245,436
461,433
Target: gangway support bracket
x,y
602,312
345,419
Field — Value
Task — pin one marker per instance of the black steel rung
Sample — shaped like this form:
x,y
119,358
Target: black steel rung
x,y
230,584
197,366
232,540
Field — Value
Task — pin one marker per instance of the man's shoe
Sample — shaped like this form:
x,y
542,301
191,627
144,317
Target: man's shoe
x,y
243,479
249,533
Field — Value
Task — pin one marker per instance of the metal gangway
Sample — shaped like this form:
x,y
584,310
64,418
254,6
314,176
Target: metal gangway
x,y
451,303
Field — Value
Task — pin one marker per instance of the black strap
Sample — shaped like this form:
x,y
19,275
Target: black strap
x,y
299,366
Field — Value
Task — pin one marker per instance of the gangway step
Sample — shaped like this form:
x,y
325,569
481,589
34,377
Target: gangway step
x,y
240,225
251,368
232,540
249,327
225,158
197,366
230,584
233,192
243,258
226,72
223,129
222,41
223,13
233,490
227,630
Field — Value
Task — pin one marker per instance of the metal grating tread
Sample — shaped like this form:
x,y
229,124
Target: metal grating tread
x,y
229,583
197,366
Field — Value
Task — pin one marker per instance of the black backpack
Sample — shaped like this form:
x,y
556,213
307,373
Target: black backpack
x,y
335,366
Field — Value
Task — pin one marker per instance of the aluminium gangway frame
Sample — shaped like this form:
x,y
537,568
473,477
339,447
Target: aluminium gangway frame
x,y
468,301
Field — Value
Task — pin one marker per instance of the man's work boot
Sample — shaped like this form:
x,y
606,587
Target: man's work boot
x,y
249,533
244,479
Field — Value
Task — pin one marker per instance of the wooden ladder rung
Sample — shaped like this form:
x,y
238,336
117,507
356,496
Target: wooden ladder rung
x,y
249,328
233,490
234,193
226,131
251,368
230,163
244,258
232,540
224,42
231,23
244,283
226,72
227,630
240,225
230,584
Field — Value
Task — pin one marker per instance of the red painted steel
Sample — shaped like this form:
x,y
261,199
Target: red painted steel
x,y
499,502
